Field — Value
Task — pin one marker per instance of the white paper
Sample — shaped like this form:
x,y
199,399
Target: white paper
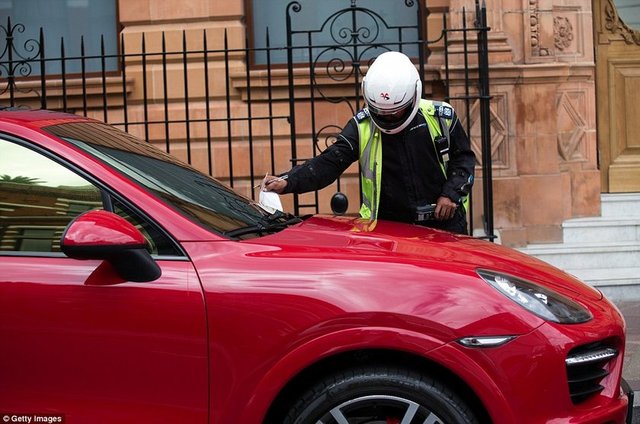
x,y
270,201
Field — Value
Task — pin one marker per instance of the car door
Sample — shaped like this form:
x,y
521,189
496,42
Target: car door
x,y
76,341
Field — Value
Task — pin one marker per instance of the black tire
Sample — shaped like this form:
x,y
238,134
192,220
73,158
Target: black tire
x,y
379,395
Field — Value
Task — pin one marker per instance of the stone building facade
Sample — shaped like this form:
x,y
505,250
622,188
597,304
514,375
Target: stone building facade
x,y
546,122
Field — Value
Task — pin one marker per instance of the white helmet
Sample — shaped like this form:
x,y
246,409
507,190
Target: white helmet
x,y
392,90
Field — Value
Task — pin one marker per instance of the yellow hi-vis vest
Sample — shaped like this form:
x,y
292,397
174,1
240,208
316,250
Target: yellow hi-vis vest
x,y
371,153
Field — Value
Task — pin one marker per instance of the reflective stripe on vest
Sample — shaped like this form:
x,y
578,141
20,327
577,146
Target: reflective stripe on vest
x,y
428,109
370,168
371,155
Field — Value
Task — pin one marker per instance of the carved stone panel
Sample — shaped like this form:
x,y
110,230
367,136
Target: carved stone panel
x,y
501,154
563,33
557,32
539,37
573,31
572,126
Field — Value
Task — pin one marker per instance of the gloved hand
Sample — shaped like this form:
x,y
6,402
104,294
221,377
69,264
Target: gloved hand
x,y
273,183
445,208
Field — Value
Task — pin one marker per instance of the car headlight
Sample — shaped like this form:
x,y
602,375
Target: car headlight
x,y
538,300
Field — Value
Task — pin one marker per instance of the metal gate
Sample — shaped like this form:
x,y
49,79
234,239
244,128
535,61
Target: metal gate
x,y
356,33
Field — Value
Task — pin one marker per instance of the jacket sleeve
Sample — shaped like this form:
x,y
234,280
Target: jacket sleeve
x,y
460,170
322,170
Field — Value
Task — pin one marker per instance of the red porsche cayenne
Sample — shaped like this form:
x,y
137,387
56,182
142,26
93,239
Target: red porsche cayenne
x,y
135,289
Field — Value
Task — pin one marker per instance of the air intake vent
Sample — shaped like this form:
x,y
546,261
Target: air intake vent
x,y
586,367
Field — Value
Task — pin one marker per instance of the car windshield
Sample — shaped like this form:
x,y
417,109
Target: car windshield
x,y
195,194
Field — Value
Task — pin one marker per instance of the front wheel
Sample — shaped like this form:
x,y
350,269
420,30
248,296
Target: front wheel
x,y
379,395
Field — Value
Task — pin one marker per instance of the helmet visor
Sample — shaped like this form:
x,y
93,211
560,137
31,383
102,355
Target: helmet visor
x,y
391,119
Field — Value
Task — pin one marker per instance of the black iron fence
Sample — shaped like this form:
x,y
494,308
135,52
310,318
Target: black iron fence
x,y
246,120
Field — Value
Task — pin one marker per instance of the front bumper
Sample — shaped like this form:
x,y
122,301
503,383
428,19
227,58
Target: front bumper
x,y
530,376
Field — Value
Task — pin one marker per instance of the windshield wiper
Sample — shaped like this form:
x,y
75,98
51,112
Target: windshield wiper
x,y
271,224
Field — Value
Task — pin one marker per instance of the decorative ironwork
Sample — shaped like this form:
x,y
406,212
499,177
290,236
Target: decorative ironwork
x,y
355,36
356,32
330,134
614,23
16,62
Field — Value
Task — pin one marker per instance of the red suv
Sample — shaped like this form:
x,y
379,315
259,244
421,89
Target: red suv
x,y
136,289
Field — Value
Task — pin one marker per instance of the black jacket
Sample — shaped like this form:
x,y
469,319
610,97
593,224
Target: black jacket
x,y
411,173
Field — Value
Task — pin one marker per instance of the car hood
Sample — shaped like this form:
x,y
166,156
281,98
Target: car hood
x,y
340,236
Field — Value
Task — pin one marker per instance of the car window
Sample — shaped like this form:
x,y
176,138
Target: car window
x,y
197,196
157,241
39,197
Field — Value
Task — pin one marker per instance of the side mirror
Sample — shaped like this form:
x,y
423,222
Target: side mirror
x,y
339,203
104,235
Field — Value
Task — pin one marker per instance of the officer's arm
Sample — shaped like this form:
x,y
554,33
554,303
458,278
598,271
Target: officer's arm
x,y
462,161
322,170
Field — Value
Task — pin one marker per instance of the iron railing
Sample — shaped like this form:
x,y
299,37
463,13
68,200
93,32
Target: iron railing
x,y
107,94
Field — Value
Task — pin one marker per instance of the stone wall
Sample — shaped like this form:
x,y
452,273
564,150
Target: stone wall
x,y
543,116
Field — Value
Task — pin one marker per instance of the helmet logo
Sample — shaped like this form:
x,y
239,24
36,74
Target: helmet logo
x,y
385,95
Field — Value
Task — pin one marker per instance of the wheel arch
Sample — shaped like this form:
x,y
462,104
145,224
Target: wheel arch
x,y
370,357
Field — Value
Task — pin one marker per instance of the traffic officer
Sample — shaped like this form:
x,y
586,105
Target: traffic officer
x,y
416,163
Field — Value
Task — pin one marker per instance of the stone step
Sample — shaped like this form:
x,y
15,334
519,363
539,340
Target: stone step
x,y
618,284
624,205
602,251
624,276
576,256
601,230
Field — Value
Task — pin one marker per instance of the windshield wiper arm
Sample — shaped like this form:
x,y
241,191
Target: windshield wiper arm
x,y
271,224
283,217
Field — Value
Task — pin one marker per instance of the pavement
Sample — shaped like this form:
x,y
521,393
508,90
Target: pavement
x,y
631,369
